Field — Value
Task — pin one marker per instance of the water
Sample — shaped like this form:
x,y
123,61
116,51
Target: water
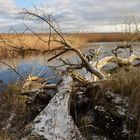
x,y
28,66
106,47
37,65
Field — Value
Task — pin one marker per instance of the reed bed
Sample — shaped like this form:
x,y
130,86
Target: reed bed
x,y
15,45
126,83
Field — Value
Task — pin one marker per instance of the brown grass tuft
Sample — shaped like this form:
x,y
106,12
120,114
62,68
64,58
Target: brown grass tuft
x,y
11,103
127,83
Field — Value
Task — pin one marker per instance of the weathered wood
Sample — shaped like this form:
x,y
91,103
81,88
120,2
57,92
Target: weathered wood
x,y
55,122
116,60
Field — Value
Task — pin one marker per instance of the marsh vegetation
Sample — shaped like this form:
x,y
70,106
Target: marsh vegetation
x,y
90,92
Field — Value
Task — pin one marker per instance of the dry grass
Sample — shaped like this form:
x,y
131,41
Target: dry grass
x,y
127,83
11,103
17,111
34,44
31,41
103,37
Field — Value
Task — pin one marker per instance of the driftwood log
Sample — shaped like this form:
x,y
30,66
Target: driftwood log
x,y
55,122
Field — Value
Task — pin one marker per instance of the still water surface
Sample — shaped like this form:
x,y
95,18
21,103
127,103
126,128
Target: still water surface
x,y
37,65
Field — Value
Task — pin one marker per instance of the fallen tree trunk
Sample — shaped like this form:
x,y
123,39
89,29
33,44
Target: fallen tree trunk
x,y
55,122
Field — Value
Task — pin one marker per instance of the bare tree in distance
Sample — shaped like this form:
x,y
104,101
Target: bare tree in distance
x,y
130,29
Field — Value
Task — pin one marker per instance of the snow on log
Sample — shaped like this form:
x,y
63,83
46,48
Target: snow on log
x,y
55,122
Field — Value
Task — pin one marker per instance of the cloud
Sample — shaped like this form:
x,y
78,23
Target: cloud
x,y
93,13
8,8
86,15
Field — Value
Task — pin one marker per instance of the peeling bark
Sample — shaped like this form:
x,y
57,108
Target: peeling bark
x,y
55,122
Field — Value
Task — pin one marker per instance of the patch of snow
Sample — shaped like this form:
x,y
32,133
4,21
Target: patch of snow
x,y
121,110
99,138
100,108
125,129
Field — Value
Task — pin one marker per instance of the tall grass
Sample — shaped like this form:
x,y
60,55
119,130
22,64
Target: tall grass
x,y
11,103
13,45
36,45
127,84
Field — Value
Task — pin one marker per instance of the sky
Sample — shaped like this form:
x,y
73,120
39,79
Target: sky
x,y
71,15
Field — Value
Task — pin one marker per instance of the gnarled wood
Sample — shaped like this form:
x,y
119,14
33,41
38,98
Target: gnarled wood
x,y
55,122
118,60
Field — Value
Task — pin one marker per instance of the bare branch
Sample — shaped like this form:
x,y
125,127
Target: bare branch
x,y
64,44
12,69
27,12
74,66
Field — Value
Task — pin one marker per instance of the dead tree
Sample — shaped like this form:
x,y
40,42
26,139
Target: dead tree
x,y
64,45
55,122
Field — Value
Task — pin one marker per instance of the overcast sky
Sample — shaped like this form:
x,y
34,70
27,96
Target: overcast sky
x,y
72,15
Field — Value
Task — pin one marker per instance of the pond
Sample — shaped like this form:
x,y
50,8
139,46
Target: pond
x,y
28,66
37,65
106,47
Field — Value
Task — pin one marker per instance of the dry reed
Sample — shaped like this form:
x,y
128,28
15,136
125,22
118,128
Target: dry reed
x,y
126,82
13,45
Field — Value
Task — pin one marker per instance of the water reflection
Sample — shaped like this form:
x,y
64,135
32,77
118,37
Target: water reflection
x,y
36,65
32,66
